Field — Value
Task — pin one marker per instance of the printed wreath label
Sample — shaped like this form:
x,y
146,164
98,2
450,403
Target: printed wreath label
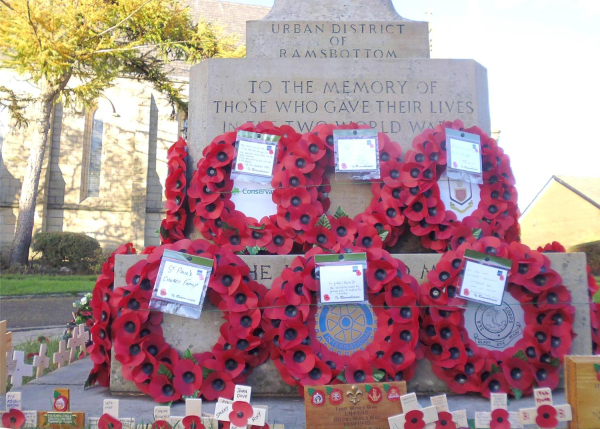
x,y
343,343
157,368
533,360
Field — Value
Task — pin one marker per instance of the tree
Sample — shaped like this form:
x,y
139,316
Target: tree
x,y
72,50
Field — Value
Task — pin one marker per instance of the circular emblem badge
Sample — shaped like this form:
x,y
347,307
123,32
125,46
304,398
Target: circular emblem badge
x,y
375,395
495,327
393,394
318,398
345,329
336,397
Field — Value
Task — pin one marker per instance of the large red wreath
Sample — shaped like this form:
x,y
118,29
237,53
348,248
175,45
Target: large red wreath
x,y
418,193
155,366
535,359
290,322
172,226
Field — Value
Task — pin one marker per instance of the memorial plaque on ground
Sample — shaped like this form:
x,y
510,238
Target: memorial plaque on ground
x,y
200,335
352,405
582,384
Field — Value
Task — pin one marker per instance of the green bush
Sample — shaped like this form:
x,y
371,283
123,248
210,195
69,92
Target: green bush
x,y
68,249
592,249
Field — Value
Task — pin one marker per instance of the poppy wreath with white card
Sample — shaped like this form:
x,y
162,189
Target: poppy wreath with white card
x,y
422,189
157,368
533,356
306,338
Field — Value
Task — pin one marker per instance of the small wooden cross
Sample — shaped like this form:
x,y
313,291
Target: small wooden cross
x,y
498,401
410,404
40,361
62,355
77,341
545,414
193,407
14,401
21,369
459,417
111,408
5,345
227,411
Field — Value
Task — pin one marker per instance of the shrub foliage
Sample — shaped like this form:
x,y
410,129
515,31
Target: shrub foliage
x,y
68,249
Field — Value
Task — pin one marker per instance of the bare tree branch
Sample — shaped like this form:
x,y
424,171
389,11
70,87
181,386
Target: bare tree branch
x,y
127,18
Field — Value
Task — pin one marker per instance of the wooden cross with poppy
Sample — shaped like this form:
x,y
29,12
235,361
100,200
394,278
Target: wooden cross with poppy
x,y
499,417
239,412
110,417
21,369
545,414
192,420
14,417
77,341
447,419
413,417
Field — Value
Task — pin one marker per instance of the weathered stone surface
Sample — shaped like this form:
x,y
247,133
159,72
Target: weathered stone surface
x,y
337,39
400,97
342,10
201,335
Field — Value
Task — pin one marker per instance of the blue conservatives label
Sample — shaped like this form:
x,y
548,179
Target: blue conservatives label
x,y
346,329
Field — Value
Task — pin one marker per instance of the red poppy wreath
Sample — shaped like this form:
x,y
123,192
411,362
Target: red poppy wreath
x,y
171,228
546,334
418,193
388,325
155,366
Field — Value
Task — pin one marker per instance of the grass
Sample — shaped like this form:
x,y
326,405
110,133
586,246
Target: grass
x,y
33,346
22,284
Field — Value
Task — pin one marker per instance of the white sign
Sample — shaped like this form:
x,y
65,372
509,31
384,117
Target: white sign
x,y
483,283
13,401
253,199
342,283
358,154
181,282
459,196
465,156
255,159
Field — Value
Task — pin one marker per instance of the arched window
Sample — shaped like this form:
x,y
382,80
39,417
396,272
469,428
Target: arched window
x,y
93,146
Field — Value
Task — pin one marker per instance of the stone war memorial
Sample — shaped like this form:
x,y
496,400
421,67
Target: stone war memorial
x,y
341,226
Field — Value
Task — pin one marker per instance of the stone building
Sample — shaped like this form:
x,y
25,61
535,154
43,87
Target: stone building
x,y
105,167
566,210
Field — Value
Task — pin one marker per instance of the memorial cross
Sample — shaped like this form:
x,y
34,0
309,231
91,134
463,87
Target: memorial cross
x,y
62,355
459,417
21,369
499,414
239,412
110,416
6,361
545,414
40,361
412,413
14,402
193,409
78,340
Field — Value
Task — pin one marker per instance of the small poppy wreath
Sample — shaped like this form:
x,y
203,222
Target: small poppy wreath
x,y
103,312
171,228
533,360
417,192
154,366
211,189
290,322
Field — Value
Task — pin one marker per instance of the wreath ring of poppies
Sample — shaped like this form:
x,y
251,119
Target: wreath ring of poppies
x,y
418,192
156,367
290,323
533,360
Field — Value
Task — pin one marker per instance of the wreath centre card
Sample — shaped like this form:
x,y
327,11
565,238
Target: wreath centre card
x,y
485,278
341,281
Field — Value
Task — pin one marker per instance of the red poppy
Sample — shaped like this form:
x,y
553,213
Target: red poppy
x,y
240,413
500,419
13,418
445,421
495,383
303,217
188,377
107,421
546,417
161,424
414,420
324,237
299,359
281,242
162,390
192,422
518,373
359,370
217,385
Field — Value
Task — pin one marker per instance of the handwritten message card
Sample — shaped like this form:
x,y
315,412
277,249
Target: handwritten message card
x,y
465,156
342,283
182,282
255,158
485,278
358,154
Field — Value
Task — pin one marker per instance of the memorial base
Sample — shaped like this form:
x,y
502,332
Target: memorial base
x,y
200,335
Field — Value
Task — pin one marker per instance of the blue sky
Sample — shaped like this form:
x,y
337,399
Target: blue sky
x,y
543,61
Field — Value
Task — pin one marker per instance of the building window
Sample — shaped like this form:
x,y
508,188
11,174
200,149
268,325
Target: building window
x,y
92,153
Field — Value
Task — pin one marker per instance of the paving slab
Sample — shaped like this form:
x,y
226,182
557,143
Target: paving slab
x,y
286,410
